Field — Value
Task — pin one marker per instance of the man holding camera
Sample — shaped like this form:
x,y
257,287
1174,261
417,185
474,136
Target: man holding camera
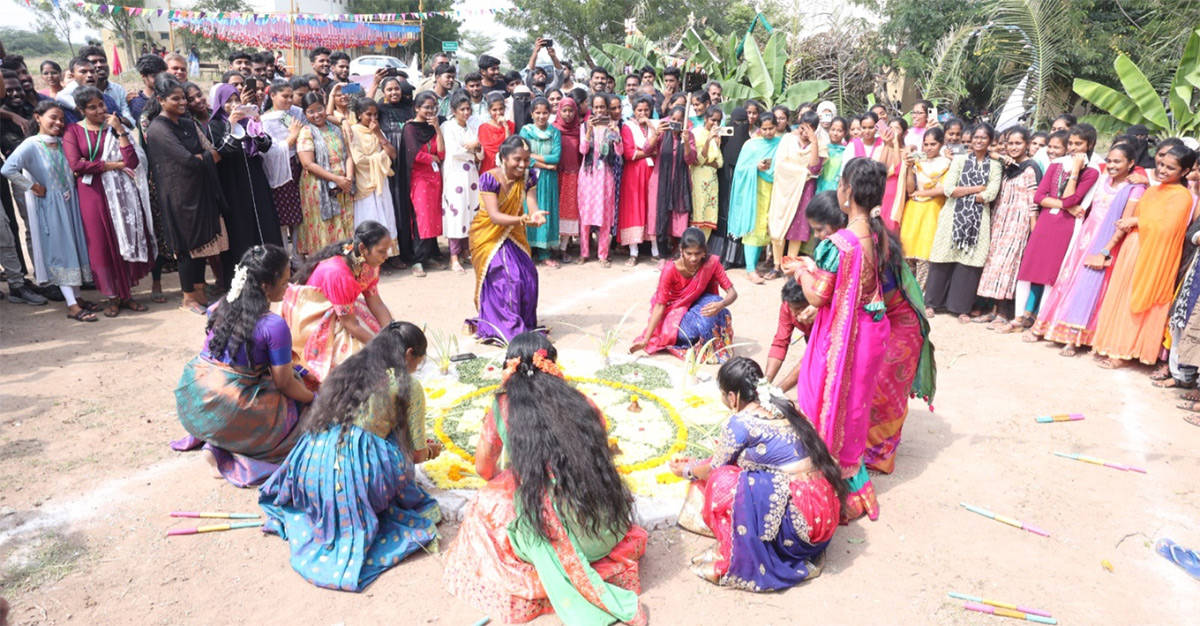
x,y
536,78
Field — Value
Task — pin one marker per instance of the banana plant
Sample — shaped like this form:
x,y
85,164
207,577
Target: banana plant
x,y
766,77
1140,103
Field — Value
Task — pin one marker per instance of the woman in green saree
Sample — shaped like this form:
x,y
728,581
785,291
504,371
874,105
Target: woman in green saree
x,y
552,532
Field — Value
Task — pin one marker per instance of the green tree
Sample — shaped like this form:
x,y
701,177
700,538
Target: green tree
x,y
520,47
60,20
579,25
212,50
474,44
33,45
124,27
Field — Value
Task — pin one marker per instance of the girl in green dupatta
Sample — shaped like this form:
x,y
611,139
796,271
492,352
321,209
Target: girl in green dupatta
x,y
553,531
837,150
545,149
750,198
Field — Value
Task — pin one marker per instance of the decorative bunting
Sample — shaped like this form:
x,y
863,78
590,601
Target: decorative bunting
x,y
279,16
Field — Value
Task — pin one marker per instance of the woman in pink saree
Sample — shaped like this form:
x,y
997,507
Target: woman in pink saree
x,y
850,332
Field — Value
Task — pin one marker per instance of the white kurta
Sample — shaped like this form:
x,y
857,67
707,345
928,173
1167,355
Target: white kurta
x,y
460,180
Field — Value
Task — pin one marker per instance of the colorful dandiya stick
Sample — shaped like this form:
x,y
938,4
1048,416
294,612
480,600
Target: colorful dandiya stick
x,y
1094,461
1050,419
212,529
1002,605
214,515
1005,519
983,608
483,622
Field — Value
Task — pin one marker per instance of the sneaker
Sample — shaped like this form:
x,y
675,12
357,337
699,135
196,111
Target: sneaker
x,y
25,295
52,292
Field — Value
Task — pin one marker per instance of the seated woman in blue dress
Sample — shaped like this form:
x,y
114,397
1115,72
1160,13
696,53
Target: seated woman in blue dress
x,y
687,309
772,492
240,398
346,499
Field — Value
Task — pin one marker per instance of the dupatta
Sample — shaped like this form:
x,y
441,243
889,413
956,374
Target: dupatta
x,y
129,202
330,207
1162,219
745,184
924,385
792,174
1085,291
639,139
372,165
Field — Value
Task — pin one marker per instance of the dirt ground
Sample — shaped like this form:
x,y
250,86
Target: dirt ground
x,y
87,481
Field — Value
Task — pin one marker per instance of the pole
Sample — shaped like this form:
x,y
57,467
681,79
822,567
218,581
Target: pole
x,y
421,9
170,29
295,53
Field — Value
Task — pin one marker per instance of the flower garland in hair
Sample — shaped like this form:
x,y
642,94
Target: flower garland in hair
x,y
876,212
238,283
541,361
766,391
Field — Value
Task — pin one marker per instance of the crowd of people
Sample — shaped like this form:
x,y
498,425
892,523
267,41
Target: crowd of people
x,y
297,192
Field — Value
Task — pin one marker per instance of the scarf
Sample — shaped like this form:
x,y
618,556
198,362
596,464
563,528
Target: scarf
x,y
330,207
416,136
1016,169
968,210
639,139
568,129
568,162
277,160
128,202
252,126
372,165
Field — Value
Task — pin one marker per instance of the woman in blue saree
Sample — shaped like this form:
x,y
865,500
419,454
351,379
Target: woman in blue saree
x,y
772,492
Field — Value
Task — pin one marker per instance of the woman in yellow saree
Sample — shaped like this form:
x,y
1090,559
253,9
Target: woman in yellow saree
x,y
506,280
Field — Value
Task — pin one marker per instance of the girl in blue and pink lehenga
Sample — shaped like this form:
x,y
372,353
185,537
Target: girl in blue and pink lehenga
x,y
772,492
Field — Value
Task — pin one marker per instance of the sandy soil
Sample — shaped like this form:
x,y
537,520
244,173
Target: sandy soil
x,y
87,480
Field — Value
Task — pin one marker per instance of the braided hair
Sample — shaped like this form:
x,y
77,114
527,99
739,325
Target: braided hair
x,y
233,322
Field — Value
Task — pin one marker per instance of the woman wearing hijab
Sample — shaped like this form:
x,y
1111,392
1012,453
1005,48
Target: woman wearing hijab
x,y
566,120
241,142
395,110
729,249
424,150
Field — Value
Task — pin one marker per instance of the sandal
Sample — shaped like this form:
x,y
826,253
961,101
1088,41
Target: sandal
x,y
998,323
1192,419
1190,407
194,308
88,305
1067,351
1162,373
158,297
605,263
551,263
1014,326
986,318
773,274
112,310
1191,396
566,258
1030,338
754,278
435,264
82,315
631,262
458,268
964,319
1189,560
1171,383
1111,364
134,305
418,270
581,260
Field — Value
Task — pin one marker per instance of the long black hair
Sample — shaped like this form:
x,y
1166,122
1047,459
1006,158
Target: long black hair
x,y
559,448
232,323
741,375
365,374
368,234
866,179
824,209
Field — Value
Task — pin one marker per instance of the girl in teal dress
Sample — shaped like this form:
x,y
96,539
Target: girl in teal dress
x,y
346,498
545,149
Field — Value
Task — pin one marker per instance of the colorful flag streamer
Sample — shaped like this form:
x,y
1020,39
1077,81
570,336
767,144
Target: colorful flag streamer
x,y
305,33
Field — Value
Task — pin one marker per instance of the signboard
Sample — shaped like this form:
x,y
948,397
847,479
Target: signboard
x,y
449,46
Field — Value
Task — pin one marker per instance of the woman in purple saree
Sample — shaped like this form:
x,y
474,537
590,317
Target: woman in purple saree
x,y
850,332
506,280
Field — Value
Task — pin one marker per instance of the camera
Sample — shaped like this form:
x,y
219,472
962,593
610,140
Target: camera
x,y
547,42
675,126
601,120
725,131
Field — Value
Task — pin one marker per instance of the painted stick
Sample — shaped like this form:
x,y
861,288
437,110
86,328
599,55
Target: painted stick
x,y
211,515
483,622
983,608
1094,461
1002,605
1006,520
212,529
1050,419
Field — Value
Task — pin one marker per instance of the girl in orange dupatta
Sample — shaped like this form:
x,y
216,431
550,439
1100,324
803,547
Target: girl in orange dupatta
x,y
1134,313
506,280
525,549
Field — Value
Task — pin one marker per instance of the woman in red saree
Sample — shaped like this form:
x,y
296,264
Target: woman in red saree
x,y
333,307
850,331
525,549
687,309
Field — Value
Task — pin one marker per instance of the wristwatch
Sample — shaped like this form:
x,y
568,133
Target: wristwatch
x,y
1106,253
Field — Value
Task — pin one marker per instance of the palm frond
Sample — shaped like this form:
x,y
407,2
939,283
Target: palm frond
x,y
943,79
1032,34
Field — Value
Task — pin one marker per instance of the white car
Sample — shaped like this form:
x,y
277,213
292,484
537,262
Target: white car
x,y
367,66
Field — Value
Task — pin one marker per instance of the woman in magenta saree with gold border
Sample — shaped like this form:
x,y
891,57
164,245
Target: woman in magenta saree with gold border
x,y
849,335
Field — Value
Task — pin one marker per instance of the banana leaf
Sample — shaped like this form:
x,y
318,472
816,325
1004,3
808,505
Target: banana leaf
x,y
701,55
761,85
1187,78
628,56
1141,92
803,91
1113,102
775,60
603,60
